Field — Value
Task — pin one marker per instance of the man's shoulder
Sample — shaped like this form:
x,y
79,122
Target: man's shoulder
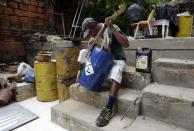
x,y
116,27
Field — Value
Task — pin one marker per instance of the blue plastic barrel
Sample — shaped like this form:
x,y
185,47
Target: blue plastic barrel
x,y
96,69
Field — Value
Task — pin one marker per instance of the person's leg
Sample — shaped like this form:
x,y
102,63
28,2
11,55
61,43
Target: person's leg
x,y
116,77
113,94
114,88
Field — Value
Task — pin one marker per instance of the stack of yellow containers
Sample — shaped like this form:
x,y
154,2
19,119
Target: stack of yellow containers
x,y
67,68
46,87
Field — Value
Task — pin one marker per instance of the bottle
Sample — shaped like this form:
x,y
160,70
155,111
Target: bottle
x,y
143,60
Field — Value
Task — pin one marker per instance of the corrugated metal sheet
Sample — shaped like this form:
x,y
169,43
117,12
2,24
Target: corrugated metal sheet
x,y
13,116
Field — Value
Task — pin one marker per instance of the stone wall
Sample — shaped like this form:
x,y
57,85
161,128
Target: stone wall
x,y
176,48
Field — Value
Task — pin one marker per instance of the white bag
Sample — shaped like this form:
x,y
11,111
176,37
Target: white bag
x,y
82,58
23,68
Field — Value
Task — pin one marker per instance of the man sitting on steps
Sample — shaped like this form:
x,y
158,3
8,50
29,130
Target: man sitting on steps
x,y
116,41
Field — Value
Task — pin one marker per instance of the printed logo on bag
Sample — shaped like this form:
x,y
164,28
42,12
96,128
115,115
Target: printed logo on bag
x,y
89,69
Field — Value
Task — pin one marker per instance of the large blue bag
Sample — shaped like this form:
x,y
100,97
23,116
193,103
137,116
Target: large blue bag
x,y
96,69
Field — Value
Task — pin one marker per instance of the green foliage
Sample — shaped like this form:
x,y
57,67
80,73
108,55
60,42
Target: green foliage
x,y
100,9
155,2
150,3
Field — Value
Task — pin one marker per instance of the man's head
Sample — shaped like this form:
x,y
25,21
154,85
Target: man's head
x,y
90,27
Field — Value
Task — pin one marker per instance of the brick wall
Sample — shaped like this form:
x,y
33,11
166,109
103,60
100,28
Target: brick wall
x,y
18,20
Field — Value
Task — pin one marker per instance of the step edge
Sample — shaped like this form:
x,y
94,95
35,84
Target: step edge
x,y
184,97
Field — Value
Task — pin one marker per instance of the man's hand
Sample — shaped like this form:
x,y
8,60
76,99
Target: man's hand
x,y
120,37
108,22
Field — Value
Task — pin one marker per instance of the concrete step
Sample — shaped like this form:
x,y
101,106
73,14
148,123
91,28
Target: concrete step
x,y
176,48
174,72
135,80
170,104
76,116
126,98
25,91
143,123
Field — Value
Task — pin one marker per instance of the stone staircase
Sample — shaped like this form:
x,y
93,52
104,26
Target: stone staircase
x,y
172,99
126,98
161,106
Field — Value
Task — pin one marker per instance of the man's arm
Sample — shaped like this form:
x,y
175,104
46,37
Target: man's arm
x,y
120,37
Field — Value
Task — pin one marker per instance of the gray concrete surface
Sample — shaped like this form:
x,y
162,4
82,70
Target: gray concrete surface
x,y
170,104
77,116
162,48
164,106
126,98
135,80
143,123
25,91
174,72
178,48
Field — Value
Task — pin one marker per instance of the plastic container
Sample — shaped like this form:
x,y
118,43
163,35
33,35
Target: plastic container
x,y
96,69
46,82
185,26
29,77
23,68
144,60
62,89
66,61
66,55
